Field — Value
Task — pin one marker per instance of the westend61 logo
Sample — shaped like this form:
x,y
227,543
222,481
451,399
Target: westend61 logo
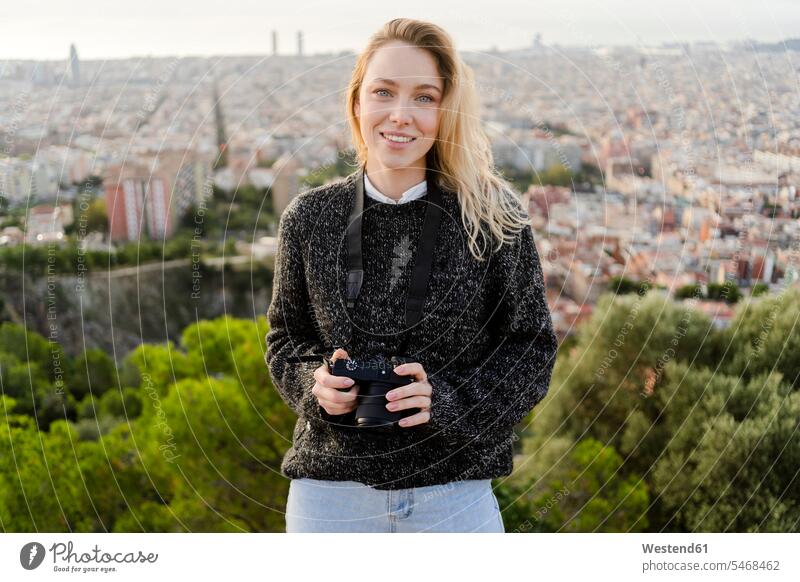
x,y
32,555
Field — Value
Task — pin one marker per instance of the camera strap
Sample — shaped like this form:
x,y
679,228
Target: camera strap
x,y
423,264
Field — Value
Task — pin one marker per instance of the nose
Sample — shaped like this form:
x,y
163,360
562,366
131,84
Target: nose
x,y
400,114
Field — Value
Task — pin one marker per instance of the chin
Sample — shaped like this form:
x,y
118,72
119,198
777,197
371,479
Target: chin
x,y
394,161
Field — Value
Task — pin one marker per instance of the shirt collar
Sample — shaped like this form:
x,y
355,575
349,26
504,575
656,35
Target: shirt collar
x,y
413,193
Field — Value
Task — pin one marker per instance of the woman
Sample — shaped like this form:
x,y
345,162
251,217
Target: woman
x,y
482,347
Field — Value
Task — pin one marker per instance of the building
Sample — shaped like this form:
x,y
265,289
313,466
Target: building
x,y
536,154
137,203
45,223
23,180
75,66
285,183
189,176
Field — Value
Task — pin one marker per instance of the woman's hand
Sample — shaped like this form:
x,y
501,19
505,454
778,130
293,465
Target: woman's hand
x,y
414,395
328,391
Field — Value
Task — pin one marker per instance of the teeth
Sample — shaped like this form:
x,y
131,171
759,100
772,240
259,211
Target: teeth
x,y
397,138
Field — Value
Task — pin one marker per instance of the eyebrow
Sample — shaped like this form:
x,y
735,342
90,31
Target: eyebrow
x,y
394,84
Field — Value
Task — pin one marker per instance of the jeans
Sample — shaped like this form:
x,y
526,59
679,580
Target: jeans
x,y
349,506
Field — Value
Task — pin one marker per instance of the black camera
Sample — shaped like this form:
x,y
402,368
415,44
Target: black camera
x,y
375,377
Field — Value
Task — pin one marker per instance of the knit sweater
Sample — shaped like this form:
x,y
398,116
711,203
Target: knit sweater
x,y
485,340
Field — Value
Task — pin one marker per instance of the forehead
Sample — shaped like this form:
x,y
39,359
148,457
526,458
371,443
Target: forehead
x,y
404,64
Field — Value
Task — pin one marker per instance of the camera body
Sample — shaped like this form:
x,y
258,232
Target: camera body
x,y
375,377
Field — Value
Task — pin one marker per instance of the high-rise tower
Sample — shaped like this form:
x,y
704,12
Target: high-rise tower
x,y
75,66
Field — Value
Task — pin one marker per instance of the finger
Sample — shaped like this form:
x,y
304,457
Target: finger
x,y
419,418
333,408
410,402
324,377
341,396
412,369
333,395
340,353
413,389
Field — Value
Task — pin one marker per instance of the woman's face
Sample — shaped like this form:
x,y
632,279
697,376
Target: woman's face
x,y
400,96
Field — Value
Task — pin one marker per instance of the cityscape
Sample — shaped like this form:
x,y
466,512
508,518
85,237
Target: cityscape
x,y
676,166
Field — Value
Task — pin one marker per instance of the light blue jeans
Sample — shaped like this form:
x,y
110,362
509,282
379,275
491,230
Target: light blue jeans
x,y
349,506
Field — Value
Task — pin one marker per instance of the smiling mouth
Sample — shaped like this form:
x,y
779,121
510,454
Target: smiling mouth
x,y
397,138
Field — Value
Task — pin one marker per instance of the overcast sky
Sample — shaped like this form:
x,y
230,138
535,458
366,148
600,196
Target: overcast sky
x,y
44,29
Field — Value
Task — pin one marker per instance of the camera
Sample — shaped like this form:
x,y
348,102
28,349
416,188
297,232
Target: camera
x,y
375,377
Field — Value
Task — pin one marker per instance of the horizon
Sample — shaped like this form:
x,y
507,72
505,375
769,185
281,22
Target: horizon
x,y
488,50
216,28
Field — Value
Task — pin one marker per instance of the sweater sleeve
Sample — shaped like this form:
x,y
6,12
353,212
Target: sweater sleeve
x,y
471,402
291,326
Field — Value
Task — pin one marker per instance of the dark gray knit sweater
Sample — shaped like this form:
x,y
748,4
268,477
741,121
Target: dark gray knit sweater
x,y
486,340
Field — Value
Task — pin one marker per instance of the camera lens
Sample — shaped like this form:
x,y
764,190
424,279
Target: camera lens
x,y
371,411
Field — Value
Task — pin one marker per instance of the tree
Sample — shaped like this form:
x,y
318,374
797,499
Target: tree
x,y
690,291
624,286
618,355
97,217
195,443
224,456
557,175
730,452
765,335
52,481
221,429
727,291
94,373
575,487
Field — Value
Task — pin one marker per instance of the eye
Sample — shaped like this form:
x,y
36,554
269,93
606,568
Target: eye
x,y
427,97
380,90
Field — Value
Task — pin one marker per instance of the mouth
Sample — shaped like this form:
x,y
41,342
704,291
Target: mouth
x,y
397,138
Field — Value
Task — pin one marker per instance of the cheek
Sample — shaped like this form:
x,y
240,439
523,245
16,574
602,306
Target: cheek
x,y
429,123
369,119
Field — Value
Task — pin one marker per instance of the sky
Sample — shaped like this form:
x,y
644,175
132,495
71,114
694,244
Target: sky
x,y
104,29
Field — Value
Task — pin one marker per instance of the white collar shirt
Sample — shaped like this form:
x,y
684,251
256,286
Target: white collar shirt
x,y
413,193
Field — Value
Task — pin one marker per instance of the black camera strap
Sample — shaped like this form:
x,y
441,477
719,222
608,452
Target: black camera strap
x,y
423,264
424,257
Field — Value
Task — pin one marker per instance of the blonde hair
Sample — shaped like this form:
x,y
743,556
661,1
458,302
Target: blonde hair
x,y
461,157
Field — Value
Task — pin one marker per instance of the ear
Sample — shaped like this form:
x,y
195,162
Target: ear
x,y
357,108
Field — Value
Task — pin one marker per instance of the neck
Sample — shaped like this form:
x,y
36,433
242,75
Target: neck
x,y
392,182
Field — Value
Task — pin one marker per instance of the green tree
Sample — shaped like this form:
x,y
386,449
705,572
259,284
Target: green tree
x,y
617,357
690,291
94,373
624,286
224,456
557,175
575,487
97,216
730,452
764,335
52,481
221,428
727,291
